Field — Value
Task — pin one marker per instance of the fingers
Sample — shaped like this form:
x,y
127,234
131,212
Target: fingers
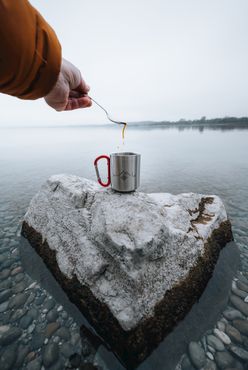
x,y
82,87
75,103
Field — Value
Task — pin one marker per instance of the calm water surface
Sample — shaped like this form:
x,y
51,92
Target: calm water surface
x,y
208,162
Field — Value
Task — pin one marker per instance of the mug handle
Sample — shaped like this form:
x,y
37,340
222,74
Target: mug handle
x,y
97,171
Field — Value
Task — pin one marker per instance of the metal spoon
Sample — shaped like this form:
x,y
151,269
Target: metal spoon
x,y
112,120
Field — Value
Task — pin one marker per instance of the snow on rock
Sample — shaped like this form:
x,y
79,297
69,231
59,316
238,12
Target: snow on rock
x,y
129,249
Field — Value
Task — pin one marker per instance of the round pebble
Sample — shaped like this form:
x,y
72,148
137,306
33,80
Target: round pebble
x,y
51,354
222,336
197,355
215,343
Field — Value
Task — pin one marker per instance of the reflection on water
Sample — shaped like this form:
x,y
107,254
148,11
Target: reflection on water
x,y
184,160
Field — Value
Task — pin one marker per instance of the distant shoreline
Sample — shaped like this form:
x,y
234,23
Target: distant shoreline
x,y
226,123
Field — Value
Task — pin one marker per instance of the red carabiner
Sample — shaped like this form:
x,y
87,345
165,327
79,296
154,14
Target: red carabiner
x,y
97,171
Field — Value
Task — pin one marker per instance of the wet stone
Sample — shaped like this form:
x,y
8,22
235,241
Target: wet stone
x,y
6,284
25,321
3,329
242,286
30,298
31,328
34,364
18,300
4,306
239,293
241,325
34,313
30,356
233,314
10,335
8,357
7,263
222,336
51,354
51,329
221,325
234,334
17,314
49,304
19,277
37,341
40,299
63,333
4,295
197,355
86,348
16,271
52,315
239,304
215,343
223,360
210,365
4,274
75,360
239,352
18,288
67,350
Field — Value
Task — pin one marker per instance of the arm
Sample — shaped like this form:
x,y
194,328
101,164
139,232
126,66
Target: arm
x,y
30,59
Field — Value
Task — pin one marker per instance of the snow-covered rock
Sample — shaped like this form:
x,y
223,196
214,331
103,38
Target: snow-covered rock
x,y
129,250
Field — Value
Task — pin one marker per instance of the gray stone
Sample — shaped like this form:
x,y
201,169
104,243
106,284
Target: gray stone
x,y
197,355
40,300
52,315
8,263
34,364
10,335
4,295
4,306
239,293
239,352
16,271
224,360
34,313
241,326
75,360
19,277
222,336
156,228
8,358
210,365
18,300
30,298
51,354
31,328
6,284
51,329
63,333
234,334
239,304
242,286
221,325
25,321
232,314
18,314
37,341
49,304
67,350
215,343
4,274
18,288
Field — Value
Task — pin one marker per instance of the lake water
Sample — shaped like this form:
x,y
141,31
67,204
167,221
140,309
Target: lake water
x,y
173,160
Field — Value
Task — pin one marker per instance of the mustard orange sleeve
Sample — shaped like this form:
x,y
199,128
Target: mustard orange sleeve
x,y
30,53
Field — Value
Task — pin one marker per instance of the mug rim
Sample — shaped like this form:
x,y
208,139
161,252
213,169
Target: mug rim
x,y
123,154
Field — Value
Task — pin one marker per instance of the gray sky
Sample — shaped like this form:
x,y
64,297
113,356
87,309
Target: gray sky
x,y
148,60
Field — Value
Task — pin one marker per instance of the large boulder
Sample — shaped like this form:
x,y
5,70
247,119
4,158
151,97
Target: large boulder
x,y
133,263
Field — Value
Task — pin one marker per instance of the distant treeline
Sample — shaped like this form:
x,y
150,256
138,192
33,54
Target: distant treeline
x,y
226,123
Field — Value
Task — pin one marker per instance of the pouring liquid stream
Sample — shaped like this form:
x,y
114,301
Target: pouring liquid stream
x,y
118,122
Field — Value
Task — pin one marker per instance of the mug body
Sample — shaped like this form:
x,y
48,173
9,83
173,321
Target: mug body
x,y
125,171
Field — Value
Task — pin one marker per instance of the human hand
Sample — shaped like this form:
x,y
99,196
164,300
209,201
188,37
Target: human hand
x,y
70,91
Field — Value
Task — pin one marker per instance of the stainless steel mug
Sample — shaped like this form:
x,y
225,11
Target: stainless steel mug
x,y
123,171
